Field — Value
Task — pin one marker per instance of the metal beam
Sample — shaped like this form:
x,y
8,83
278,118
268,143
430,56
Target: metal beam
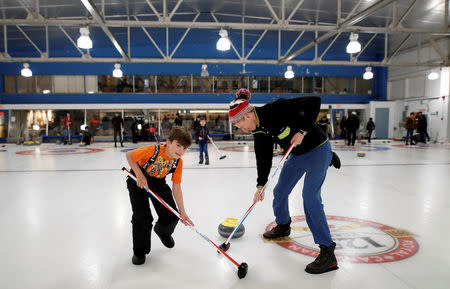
x,y
295,10
150,37
175,9
365,46
257,42
398,48
295,42
329,46
230,25
184,35
29,39
72,41
350,21
153,8
438,49
5,40
274,15
217,61
406,13
339,8
90,6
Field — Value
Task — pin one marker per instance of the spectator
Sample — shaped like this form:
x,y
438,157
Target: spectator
x,y
352,127
134,130
86,137
370,127
343,126
118,124
409,125
178,120
323,123
202,134
422,127
68,128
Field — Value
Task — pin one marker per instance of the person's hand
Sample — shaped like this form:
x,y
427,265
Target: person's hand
x,y
297,139
258,197
185,219
200,138
141,181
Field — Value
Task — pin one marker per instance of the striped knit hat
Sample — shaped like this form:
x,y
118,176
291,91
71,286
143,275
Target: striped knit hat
x,y
240,106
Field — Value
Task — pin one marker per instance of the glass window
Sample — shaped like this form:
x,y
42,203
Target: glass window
x,y
280,84
26,84
202,84
9,84
307,84
336,85
174,83
150,82
259,84
139,83
91,83
44,84
318,85
69,83
363,86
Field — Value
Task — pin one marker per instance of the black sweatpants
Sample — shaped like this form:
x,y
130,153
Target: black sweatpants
x,y
118,132
142,219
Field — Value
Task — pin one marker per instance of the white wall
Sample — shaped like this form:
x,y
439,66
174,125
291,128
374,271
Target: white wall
x,y
411,90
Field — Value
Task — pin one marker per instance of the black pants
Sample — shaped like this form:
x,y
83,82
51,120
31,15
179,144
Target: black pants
x,y
142,218
351,137
118,132
370,133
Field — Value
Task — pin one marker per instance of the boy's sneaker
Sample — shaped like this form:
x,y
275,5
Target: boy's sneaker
x,y
166,240
138,260
326,261
278,231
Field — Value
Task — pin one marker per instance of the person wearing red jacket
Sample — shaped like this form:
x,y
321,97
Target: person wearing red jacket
x,y
68,128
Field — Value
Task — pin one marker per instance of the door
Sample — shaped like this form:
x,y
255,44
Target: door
x,y
382,122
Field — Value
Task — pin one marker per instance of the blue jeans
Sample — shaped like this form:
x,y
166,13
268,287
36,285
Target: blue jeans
x,y
409,134
203,147
67,134
315,165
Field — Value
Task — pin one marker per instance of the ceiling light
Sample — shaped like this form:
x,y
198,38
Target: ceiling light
x,y
354,46
36,127
368,74
204,72
117,72
26,71
289,73
84,41
223,44
46,91
433,75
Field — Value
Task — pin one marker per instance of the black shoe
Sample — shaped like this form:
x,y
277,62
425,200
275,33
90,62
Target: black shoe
x,y
326,261
121,144
278,231
335,161
201,160
138,260
206,160
165,239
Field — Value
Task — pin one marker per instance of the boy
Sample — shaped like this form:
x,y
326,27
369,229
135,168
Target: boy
x,y
151,165
86,137
287,121
202,134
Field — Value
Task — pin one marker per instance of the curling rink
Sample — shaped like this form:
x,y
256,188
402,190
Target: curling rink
x,y
65,221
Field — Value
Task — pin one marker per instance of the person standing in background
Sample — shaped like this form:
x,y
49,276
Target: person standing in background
x,y
409,125
343,126
68,128
370,127
118,124
352,126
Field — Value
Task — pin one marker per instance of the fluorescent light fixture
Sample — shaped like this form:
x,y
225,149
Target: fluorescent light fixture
x,y
198,111
289,73
204,72
223,44
90,92
26,71
368,74
139,126
433,75
218,111
354,46
83,127
46,91
36,127
117,72
84,41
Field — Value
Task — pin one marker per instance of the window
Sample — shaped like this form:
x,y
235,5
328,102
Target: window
x,y
69,83
336,85
174,84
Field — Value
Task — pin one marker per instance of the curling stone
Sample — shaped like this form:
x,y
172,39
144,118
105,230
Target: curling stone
x,y
227,227
361,154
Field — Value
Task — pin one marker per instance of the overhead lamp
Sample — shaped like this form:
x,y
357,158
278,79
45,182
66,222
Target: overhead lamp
x,y
204,72
84,41
354,46
368,74
36,127
223,44
117,72
433,75
289,73
26,71
46,91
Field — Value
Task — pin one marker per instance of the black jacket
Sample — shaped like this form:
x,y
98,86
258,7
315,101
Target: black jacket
x,y
202,131
117,122
352,123
279,121
370,125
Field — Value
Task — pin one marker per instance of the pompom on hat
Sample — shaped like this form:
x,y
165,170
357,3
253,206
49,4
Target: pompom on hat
x,y
240,106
